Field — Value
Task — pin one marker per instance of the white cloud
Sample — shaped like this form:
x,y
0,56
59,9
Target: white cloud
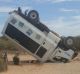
x,y
58,1
70,10
65,27
76,17
6,9
54,1
9,9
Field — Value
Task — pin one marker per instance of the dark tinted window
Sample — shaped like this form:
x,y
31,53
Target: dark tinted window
x,y
23,40
13,21
41,52
29,32
21,24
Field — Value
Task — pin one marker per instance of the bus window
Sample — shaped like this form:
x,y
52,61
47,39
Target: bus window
x,y
21,24
29,32
13,21
38,37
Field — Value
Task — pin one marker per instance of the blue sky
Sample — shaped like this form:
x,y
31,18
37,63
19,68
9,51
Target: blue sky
x,y
61,16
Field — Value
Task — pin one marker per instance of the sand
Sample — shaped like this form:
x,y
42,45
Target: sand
x,y
72,67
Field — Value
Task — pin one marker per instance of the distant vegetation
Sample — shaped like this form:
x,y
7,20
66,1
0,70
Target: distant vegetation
x,y
6,44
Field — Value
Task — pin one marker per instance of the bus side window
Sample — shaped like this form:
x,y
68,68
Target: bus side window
x,y
13,21
29,32
38,37
21,24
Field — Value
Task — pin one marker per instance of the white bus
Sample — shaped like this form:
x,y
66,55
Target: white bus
x,y
34,37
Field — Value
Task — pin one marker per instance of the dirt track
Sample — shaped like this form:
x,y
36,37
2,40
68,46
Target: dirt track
x,y
47,68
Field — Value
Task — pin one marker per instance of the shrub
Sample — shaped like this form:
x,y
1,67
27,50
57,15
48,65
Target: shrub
x,y
3,65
